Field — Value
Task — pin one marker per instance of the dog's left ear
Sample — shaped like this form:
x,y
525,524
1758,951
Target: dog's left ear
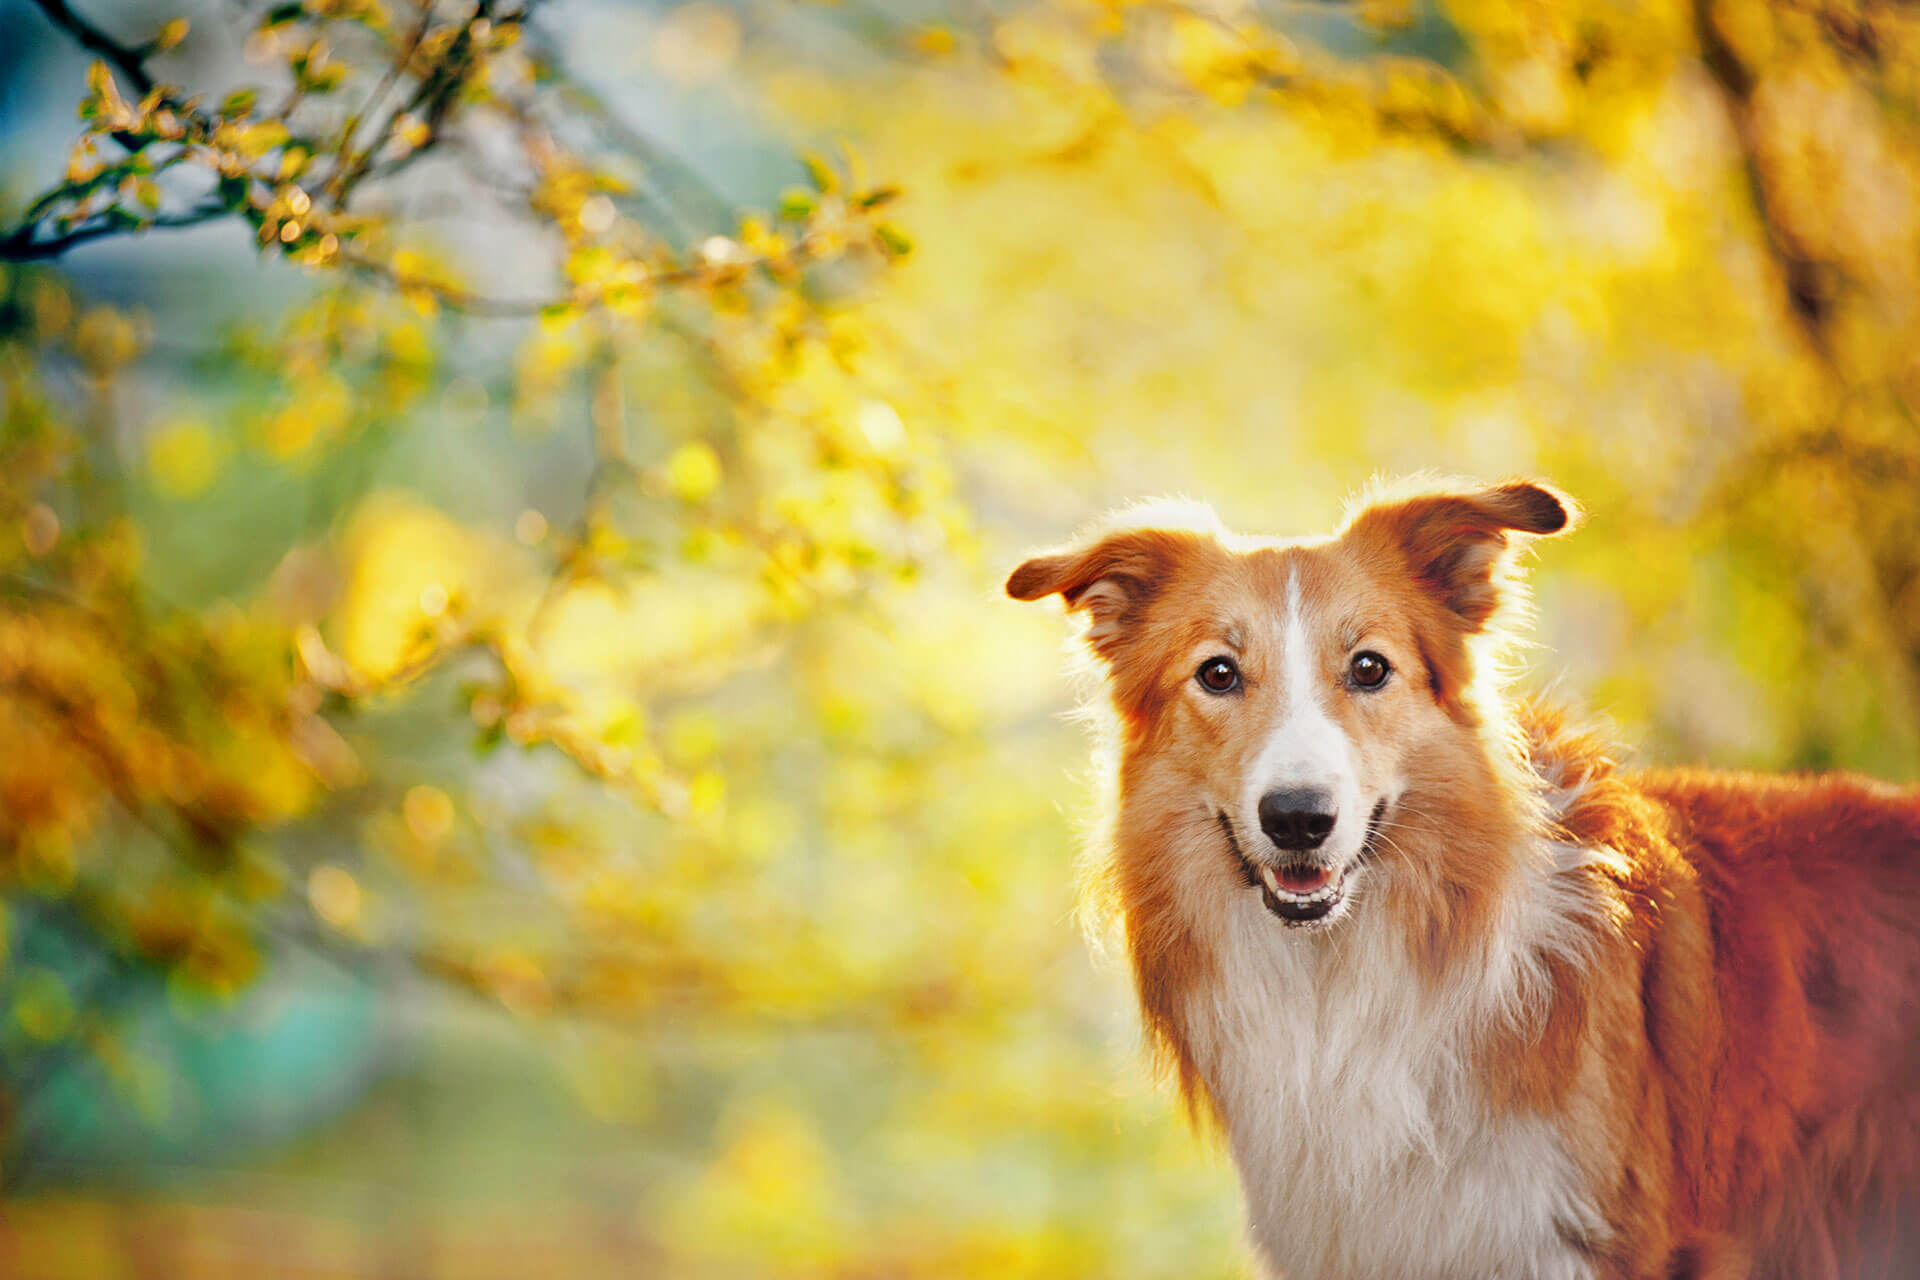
x,y
1459,545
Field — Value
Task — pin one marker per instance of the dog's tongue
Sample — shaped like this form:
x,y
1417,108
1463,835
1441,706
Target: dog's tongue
x,y
1303,879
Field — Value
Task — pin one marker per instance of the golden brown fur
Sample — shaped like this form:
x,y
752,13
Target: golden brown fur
x,y
1705,987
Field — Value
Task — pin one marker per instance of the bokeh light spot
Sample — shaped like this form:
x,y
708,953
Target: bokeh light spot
x,y
185,459
40,529
596,215
428,812
42,1005
530,529
335,896
880,423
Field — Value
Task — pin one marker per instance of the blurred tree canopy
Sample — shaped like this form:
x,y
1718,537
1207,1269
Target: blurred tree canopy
x,y
563,572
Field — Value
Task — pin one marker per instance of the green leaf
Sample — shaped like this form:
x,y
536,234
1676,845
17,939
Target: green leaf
x,y
820,173
239,103
894,240
797,205
323,79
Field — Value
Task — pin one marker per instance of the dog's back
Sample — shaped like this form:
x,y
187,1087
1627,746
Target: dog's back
x,y
1804,1112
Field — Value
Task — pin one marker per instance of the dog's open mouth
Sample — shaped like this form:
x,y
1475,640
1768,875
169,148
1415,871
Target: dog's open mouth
x,y
1301,893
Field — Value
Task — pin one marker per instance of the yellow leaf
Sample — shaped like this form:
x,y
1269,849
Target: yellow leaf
x,y
707,792
256,140
112,111
170,35
83,163
693,472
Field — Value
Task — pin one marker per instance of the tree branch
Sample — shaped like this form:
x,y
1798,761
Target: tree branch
x,y
20,245
132,64
1807,281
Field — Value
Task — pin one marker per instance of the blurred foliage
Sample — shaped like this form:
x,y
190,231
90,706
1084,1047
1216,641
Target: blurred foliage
x,y
564,575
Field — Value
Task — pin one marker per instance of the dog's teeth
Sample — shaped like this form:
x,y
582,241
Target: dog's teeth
x,y
1271,880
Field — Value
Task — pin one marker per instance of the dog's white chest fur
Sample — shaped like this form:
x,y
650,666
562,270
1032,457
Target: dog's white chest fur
x,y
1363,1141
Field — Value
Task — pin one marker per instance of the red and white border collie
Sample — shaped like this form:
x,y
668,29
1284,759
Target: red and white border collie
x,y
1466,1000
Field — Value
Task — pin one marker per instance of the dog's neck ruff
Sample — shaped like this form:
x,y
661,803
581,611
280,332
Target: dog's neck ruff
x,y
1350,1090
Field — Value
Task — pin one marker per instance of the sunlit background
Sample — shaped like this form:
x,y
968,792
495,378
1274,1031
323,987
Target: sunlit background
x,y
513,759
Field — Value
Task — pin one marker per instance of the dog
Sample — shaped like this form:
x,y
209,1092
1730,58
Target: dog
x,y
1465,998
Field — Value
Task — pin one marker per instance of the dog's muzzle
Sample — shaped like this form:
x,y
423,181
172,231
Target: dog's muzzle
x,y
1301,891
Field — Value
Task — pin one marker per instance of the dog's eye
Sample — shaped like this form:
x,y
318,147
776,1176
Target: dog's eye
x,y
1218,675
1368,669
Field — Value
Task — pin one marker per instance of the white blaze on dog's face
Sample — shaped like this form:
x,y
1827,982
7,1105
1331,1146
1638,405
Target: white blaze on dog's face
x,y
1309,800
1300,696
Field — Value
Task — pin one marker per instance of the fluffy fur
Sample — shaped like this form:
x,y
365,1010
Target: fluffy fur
x,y
1522,1013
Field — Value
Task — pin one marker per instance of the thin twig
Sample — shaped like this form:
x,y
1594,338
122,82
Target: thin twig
x,y
451,296
373,101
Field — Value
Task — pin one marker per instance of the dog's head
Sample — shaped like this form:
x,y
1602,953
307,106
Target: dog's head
x,y
1313,701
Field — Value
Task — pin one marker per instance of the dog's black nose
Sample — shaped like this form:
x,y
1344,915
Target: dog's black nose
x,y
1297,818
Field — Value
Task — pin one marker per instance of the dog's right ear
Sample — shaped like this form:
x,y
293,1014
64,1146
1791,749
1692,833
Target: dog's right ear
x,y
1112,578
